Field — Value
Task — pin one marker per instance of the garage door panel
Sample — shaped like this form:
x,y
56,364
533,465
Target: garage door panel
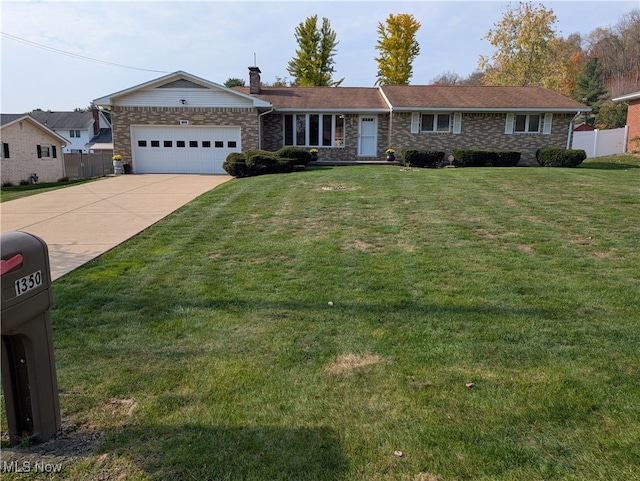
x,y
185,149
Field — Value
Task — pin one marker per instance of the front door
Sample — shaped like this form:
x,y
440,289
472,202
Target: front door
x,y
368,136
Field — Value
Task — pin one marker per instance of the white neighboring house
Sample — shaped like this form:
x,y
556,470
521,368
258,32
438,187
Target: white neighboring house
x,y
79,128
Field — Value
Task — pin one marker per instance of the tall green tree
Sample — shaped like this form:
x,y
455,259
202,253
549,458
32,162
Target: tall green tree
x,y
590,88
398,48
313,64
523,42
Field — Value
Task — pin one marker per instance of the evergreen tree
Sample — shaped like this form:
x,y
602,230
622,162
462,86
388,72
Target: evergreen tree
x,y
397,47
313,64
234,82
590,88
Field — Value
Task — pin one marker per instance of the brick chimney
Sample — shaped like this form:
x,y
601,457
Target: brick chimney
x,y
254,80
96,121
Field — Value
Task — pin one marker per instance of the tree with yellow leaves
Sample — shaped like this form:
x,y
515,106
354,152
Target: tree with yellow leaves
x,y
526,50
397,47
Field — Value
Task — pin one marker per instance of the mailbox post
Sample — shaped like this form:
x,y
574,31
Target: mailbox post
x,y
28,365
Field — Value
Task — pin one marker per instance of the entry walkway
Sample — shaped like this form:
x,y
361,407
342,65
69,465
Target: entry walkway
x,y
81,222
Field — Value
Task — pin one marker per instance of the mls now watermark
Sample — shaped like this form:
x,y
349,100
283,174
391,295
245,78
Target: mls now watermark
x,y
30,467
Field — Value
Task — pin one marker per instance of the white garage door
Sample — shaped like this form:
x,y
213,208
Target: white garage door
x,y
182,150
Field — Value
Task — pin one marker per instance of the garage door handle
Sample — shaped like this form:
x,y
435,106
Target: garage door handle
x,y
11,264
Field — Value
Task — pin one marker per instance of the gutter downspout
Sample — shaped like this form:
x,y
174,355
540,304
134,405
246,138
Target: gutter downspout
x,y
260,126
386,100
578,113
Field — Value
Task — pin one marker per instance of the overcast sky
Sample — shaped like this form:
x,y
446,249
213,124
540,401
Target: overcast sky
x,y
217,40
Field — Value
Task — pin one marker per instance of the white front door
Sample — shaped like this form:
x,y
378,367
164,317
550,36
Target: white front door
x,y
368,136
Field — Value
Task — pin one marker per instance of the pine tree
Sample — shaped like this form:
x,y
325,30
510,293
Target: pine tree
x,y
314,62
397,47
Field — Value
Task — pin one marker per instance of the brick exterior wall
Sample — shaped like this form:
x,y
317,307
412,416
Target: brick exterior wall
x,y
633,121
481,131
23,138
124,117
273,138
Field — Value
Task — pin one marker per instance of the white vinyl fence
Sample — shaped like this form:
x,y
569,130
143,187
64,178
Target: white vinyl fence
x,y
598,143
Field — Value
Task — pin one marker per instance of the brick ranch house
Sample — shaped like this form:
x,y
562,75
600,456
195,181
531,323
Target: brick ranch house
x,y
29,148
180,123
633,120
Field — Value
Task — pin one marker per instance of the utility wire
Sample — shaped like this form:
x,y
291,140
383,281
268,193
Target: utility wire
x,y
74,55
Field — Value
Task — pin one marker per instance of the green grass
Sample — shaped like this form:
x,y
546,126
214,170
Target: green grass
x,y
206,348
19,191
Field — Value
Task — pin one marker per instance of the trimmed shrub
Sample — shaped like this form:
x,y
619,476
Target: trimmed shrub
x,y
235,165
559,157
486,158
505,158
8,183
422,158
258,162
261,161
473,157
297,154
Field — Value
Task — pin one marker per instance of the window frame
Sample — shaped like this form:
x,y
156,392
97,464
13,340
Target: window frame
x,y
314,129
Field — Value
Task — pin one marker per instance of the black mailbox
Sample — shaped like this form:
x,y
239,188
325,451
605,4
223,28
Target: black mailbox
x,y
28,365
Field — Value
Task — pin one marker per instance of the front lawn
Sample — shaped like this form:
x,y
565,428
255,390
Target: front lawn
x,y
362,323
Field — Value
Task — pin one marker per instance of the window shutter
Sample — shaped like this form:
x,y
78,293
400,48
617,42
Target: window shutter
x,y
508,128
457,123
415,122
39,152
548,118
53,152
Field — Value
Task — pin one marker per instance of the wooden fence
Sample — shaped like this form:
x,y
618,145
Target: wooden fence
x,y
87,166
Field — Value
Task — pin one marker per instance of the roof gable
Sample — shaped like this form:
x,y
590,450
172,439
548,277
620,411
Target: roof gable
x,y
478,98
9,119
64,120
180,89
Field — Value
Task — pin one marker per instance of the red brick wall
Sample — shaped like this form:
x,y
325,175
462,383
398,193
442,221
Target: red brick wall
x,y
633,121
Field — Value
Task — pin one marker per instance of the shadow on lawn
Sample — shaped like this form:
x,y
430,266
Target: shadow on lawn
x,y
232,453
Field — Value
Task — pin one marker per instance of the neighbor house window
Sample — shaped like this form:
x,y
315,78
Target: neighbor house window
x,y
74,133
5,150
46,151
314,130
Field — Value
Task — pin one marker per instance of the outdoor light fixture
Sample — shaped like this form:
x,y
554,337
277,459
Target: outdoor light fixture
x,y
183,101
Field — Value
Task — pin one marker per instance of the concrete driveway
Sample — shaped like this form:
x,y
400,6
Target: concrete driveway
x,y
81,222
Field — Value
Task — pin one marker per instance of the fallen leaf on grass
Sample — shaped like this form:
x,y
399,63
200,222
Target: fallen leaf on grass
x,y
469,384
399,454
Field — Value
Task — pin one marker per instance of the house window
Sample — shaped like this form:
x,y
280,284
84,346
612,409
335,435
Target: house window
x,y
5,150
74,133
529,123
314,130
436,123
46,151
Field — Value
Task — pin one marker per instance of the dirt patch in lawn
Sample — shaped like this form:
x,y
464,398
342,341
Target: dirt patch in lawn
x,y
347,363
